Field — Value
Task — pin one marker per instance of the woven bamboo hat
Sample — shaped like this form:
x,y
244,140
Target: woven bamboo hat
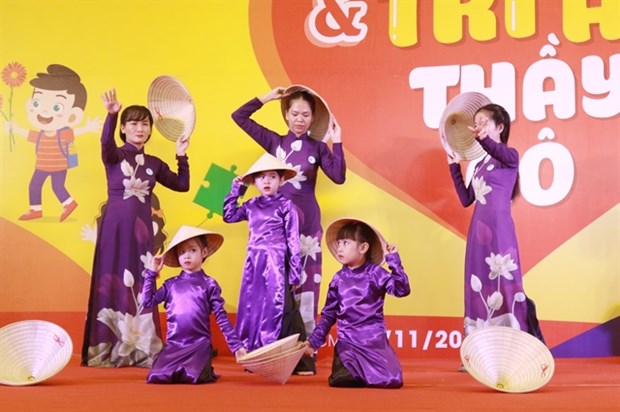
x,y
172,106
322,116
32,351
214,241
377,251
274,348
278,368
507,359
454,125
268,162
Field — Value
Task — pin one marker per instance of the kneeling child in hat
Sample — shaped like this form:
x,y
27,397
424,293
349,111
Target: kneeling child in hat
x,y
363,356
189,298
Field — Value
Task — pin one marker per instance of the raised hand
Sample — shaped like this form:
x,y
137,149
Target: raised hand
x,y
110,102
275,94
182,145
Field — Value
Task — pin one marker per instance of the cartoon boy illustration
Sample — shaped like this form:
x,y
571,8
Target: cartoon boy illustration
x,y
56,105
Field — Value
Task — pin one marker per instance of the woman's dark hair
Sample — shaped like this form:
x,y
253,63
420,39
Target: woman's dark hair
x,y
500,116
304,95
135,113
360,232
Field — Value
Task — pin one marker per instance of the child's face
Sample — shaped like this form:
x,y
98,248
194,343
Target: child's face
x,y
351,252
299,116
137,132
190,254
268,183
52,110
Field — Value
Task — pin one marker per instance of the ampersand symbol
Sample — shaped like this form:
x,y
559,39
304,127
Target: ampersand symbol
x,y
335,21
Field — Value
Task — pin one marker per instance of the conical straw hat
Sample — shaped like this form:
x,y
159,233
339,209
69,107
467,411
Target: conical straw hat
x,y
268,162
32,351
280,368
214,241
455,120
507,359
322,116
377,252
276,347
174,113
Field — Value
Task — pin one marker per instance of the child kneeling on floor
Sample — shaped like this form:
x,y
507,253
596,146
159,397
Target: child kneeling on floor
x,y
189,299
363,356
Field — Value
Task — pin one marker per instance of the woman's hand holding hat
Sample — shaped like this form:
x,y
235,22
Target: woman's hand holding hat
x,y
334,133
182,145
275,94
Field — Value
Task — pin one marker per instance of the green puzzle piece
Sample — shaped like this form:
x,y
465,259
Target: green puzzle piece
x,y
214,188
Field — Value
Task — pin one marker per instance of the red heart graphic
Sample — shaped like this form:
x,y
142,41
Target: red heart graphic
x,y
367,87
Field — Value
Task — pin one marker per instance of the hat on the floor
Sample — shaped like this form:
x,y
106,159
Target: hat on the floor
x,y
322,116
507,359
454,125
275,361
377,251
268,162
271,349
214,241
172,107
32,351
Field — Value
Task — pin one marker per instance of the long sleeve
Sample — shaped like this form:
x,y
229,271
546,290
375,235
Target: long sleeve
x,y
333,163
150,296
233,212
221,317
176,181
109,153
398,283
261,135
328,317
291,227
508,156
466,194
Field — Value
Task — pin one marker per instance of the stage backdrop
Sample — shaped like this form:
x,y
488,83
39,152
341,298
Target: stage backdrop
x,y
387,70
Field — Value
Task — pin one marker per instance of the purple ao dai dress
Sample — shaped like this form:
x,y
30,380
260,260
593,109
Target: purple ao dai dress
x,y
354,302
307,156
189,299
272,263
494,292
119,330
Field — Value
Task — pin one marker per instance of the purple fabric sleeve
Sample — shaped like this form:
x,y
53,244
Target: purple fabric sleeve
x,y
221,317
398,283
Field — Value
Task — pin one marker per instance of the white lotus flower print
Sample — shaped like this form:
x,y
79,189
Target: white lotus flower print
x,y
126,168
140,159
296,145
309,246
495,301
476,284
299,177
500,266
135,187
136,333
128,279
480,189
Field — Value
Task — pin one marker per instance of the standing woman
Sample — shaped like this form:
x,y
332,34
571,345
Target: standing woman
x,y
493,284
303,148
119,330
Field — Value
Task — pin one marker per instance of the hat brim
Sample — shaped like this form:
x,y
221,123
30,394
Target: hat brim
x,y
322,118
268,162
377,252
507,359
454,125
214,241
172,107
